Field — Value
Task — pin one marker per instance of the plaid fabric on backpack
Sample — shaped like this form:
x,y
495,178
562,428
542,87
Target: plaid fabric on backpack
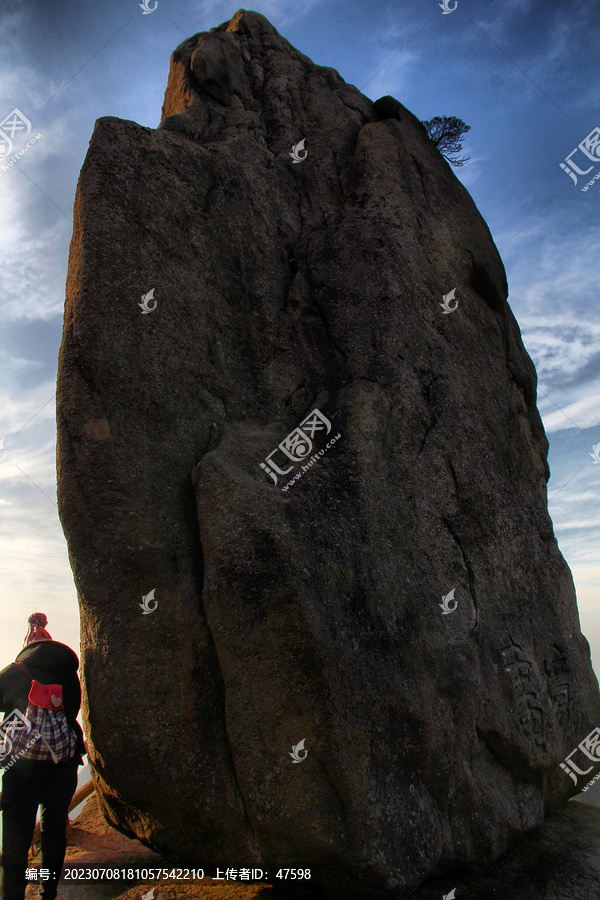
x,y
46,717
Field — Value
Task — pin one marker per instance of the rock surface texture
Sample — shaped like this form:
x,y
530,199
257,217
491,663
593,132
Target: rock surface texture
x,y
307,611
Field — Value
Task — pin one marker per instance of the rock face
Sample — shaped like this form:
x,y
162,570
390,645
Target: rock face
x,y
559,861
294,325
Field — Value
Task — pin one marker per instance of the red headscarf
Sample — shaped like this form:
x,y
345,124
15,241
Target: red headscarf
x,y
37,629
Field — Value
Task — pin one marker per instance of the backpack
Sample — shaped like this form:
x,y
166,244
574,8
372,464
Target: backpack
x,y
49,735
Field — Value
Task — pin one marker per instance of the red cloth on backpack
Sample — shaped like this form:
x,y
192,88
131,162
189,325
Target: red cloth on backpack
x,y
47,695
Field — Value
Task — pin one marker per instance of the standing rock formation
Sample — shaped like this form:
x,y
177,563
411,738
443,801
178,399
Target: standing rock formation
x,y
304,608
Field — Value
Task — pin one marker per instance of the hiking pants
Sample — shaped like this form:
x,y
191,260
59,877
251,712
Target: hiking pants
x,y
25,786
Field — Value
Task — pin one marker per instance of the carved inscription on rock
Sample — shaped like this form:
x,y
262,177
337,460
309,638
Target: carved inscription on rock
x,y
530,715
559,686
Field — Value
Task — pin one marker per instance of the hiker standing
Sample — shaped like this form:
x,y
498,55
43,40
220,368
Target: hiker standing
x,y
42,746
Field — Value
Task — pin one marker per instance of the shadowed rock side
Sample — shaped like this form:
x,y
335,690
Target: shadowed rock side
x,y
313,613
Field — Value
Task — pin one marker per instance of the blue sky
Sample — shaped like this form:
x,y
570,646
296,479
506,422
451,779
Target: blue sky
x,y
523,74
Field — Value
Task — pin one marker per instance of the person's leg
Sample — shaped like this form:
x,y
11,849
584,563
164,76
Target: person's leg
x,y
20,798
59,787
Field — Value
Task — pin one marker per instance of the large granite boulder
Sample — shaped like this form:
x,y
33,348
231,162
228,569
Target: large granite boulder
x,y
268,422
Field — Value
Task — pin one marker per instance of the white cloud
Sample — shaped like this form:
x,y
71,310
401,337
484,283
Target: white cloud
x,y
32,281
36,571
473,171
282,13
11,364
29,476
553,295
392,72
26,410
584,413
37,222
36,577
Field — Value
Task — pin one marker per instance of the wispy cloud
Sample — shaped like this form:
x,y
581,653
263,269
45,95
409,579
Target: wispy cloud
x,y
282,13
585,412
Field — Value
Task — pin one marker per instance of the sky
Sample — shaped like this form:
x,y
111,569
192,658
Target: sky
x,y
523,74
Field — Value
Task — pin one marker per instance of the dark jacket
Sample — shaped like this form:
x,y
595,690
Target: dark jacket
x,y
48,662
